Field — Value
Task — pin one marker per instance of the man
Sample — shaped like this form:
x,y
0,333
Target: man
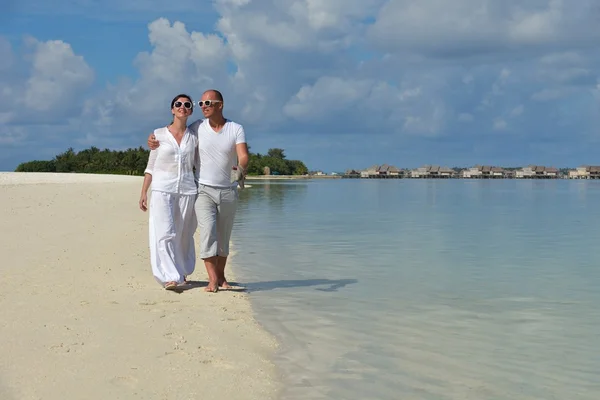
x,y
220,141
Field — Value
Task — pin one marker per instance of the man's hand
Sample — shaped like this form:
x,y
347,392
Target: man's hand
x,y
241,171
239,175
152,142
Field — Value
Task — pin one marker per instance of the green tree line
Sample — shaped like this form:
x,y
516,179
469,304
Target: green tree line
x,y
93,161
277,163
133,162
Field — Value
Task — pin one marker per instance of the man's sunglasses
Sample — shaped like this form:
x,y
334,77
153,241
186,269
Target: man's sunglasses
x,y
186,104
207,103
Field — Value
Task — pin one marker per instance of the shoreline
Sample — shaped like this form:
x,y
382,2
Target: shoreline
x,y
79,298
289,177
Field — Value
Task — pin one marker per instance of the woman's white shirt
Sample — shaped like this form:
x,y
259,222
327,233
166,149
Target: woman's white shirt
x,y
172,165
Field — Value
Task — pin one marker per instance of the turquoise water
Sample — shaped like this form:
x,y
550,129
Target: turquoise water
x,y
427,289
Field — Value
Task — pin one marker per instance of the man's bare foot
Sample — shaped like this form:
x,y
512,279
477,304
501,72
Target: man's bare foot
x,y
224,284
212,288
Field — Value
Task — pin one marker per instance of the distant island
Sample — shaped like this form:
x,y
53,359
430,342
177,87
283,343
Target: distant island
x,y
275,164
133,162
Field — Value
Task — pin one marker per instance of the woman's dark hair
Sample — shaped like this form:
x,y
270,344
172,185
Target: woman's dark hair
x,y
185,96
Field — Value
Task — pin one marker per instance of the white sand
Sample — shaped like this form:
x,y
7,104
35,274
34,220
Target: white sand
x,y
83,318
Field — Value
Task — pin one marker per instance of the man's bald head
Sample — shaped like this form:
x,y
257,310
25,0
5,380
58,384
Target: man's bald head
x,y
216,93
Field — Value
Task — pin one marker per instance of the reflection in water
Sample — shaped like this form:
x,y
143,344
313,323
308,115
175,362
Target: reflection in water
x,y
330,285
424,289
279,196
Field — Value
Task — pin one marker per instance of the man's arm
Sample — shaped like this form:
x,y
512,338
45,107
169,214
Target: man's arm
x,y
241,148
243,156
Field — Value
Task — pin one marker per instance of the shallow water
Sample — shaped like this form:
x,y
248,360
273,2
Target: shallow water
x,y
427,289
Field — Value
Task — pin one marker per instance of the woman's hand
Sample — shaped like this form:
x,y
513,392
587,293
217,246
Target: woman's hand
x,y
144,202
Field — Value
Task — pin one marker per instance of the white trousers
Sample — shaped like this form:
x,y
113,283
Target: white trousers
x,y
172,223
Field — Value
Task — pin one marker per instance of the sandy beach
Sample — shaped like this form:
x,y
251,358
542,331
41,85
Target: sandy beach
x,y
83,317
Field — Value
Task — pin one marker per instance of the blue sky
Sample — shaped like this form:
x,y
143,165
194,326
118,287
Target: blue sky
x,y
337,84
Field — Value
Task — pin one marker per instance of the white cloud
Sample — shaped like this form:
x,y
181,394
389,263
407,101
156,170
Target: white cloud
x,y
45,85
500,124
465,27
58,76
180,62
337,15
328,96
569,68
517,111
358,103
536,26
292,25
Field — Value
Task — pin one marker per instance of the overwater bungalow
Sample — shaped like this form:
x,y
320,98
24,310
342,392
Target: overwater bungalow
x,y
433,171
585,172
384,171
484,172
537,172
351,173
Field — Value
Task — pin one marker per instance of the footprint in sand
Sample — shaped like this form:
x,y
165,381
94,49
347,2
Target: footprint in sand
x,y
151,303
61,348
206,349
124,381
66,348
223,364
180,343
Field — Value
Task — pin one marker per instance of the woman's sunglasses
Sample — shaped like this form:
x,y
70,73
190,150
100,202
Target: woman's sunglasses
x,y
207,103
186,104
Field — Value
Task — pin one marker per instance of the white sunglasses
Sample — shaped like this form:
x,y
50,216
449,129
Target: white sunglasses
x,y
186,104
208,103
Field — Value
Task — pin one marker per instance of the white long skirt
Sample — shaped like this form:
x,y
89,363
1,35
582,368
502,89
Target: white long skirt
x,y
172,223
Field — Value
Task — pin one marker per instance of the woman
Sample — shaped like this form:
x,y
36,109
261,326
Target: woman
x,y
173,172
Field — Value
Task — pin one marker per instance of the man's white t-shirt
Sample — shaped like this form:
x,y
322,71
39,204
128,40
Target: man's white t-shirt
x,y
217,151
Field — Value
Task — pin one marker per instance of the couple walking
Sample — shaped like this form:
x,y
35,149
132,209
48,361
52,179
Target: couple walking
x,y
190,171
